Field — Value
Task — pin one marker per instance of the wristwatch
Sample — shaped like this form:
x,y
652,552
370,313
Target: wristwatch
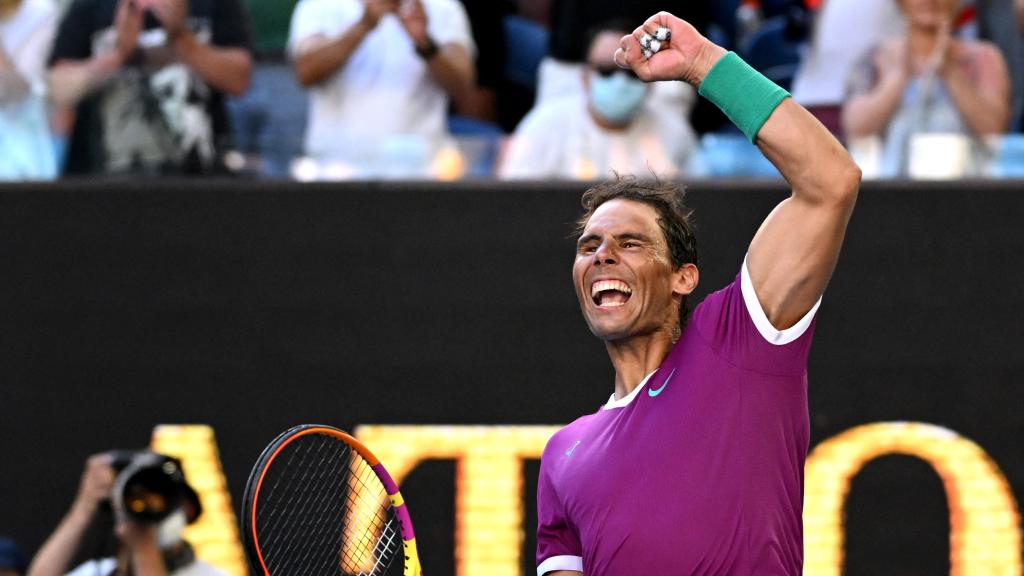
x,y
429,51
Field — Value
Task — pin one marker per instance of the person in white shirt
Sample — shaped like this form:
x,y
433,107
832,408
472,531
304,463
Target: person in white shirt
x,y
613,126
380,73
27,29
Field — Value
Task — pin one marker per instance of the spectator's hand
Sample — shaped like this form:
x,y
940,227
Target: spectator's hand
x,y
128,25
686,56
947,53
96,484
374,10
414,20
892,61
172,14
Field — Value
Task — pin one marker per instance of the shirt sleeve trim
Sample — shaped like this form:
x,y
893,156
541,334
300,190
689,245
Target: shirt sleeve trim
x,y
560,563
771,334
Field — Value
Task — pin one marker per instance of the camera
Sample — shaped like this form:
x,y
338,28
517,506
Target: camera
x,y
149,486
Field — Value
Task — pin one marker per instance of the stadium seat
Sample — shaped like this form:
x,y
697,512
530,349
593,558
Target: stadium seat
x,y
772,53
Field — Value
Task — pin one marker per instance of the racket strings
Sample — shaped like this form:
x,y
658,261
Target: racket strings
x,y
322,511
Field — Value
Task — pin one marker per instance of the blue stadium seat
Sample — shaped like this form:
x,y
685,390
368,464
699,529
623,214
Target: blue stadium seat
x,y
770,52
526,44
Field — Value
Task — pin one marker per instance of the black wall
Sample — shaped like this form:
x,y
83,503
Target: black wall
x,y
252,307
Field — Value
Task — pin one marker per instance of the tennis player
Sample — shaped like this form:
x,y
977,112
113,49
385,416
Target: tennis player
x,y
695,464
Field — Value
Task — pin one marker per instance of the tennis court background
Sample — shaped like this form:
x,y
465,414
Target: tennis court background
x,y
251,307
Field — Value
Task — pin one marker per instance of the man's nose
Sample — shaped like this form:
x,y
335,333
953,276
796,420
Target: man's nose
x,y
605,254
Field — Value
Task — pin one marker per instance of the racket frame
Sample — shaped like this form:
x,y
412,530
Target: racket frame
x,y
411,566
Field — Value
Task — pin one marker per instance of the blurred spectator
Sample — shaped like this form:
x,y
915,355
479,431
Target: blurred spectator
x,y
269,120
12,559
147,546
846,30
381,73
27,28
614,126
927,81
571,20
486,23
148,78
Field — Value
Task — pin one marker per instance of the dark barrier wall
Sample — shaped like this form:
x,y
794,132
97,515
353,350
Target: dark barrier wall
x,y
252,307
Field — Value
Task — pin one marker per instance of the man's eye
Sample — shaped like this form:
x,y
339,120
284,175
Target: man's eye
x,y
587,249
630,244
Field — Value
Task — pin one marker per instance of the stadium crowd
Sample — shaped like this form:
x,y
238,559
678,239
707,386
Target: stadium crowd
x,y
509,89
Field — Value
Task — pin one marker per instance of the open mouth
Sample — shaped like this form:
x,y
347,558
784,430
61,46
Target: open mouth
x,y
610,293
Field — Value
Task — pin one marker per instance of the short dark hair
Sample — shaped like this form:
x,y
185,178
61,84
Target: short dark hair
x,y
674,218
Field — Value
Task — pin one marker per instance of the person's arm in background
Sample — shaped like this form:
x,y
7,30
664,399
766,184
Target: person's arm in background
x,y
979,84
869,109
56,553
793,254
71,77
317,58
226,68
12,86
450,64
999,21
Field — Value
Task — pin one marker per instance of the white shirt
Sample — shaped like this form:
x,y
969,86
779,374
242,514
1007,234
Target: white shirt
x,y
382,106
559,139
106,566
26,148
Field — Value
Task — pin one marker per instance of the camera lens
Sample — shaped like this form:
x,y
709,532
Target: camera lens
x,y
149,488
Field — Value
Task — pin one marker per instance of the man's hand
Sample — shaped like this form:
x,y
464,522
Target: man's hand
x,y
96,484
687,55
414,20
172,14
127,25
374,10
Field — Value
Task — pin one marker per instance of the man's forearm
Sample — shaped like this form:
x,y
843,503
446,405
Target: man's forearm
x,y
72,80
53,557
452,68
226,69
12,86
315,65
869,113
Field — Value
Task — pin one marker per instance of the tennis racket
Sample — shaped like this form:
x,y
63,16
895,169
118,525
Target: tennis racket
x,y
319,503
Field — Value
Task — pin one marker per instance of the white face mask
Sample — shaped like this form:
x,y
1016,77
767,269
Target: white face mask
x,y
168,533
616,97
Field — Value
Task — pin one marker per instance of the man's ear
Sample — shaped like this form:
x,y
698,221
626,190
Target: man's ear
x,y
685,279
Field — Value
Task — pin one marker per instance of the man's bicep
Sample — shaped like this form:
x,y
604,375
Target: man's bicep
x,y
564,573
792,256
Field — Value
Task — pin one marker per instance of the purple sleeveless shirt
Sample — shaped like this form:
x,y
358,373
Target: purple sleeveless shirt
x,y
700,469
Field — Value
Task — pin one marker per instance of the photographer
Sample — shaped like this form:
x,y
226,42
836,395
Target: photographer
x,y
150,504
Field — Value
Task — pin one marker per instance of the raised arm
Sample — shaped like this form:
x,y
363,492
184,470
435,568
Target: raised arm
x,y
792,256
54,557
226,68
316,58
450,64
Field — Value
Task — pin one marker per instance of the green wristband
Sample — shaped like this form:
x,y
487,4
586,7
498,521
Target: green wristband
x,y
744,94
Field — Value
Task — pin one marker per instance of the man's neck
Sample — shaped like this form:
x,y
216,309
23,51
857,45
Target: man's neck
x,y
637,357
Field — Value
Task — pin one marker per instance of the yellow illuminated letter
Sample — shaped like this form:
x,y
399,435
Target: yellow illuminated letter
x,y
215,535
488,484
984,532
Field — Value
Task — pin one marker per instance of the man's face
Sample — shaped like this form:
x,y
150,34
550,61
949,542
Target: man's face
x,y
929,14
623,273
615,95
